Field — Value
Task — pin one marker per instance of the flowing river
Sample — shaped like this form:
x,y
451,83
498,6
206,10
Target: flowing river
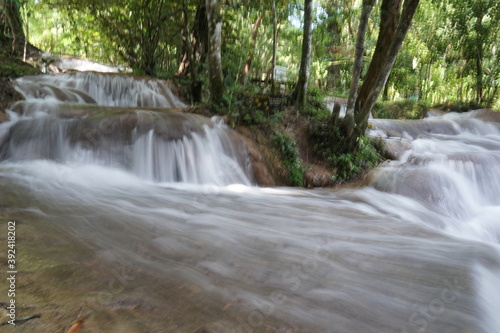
x,y
143,219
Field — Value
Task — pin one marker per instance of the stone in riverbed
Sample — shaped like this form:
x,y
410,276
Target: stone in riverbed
x,y
394,148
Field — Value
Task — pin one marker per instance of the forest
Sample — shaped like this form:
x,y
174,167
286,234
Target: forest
x,y
450,53
386,58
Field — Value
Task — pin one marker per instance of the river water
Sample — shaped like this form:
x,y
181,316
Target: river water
x,y
147,220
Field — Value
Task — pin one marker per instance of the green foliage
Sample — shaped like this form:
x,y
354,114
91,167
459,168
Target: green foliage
x,y
140,33
450,53
352,165
11,67
439,59
288,149
404,109
328,143
315,107
68,32
459,106
239,105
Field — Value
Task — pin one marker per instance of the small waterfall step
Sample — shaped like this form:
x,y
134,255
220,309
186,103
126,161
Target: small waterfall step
x,y
105,89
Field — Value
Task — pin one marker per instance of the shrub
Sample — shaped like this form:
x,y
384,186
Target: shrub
x,y
352,165
404,109
328,142
288,149
315,107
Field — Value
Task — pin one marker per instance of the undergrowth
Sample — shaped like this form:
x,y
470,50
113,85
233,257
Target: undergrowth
x,y
404,109
460,106
287,147
327,142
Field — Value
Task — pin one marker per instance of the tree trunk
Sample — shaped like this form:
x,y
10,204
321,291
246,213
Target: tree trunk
x,y
409,8
479,61
215,75
358,65
388,45
275,37
189,48
200,48
390,14
150,36
246,69
301,89
11,25
333,77
334,28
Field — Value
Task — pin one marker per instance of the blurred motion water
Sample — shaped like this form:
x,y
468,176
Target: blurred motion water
x,y
415,251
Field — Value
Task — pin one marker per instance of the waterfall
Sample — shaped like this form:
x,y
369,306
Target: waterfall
x,y
144,217
448,169
93,118
100,88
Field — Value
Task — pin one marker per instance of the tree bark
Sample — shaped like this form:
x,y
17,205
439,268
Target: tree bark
x,y
388,45
189,48
409,8
334,28
11,25
246,69
275,37
200,49
479,61
358,64
302,83
215,75
390,15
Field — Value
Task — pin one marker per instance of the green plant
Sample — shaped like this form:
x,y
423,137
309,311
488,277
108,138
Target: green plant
x,y
328,146
352,165
460,106
288,150
404,109
315,107
11,67
251,116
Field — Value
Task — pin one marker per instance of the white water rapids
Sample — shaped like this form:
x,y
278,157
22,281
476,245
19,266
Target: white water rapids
x,y
415,251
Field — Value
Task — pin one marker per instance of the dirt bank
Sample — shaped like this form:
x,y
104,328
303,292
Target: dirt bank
x,y
11,68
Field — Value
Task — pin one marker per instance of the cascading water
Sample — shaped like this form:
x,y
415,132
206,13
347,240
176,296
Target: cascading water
x,y
103,89
415,251
156,144
450,169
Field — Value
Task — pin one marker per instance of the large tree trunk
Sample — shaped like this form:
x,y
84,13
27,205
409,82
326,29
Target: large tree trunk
x,y
333,77
301,89
275,41
11,27
358,65
389,18
409,8
215,75
200,49
187,64
246,69
334,28
388,46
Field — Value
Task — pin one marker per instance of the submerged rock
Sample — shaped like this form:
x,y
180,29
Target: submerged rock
x,y
8,96
394,148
